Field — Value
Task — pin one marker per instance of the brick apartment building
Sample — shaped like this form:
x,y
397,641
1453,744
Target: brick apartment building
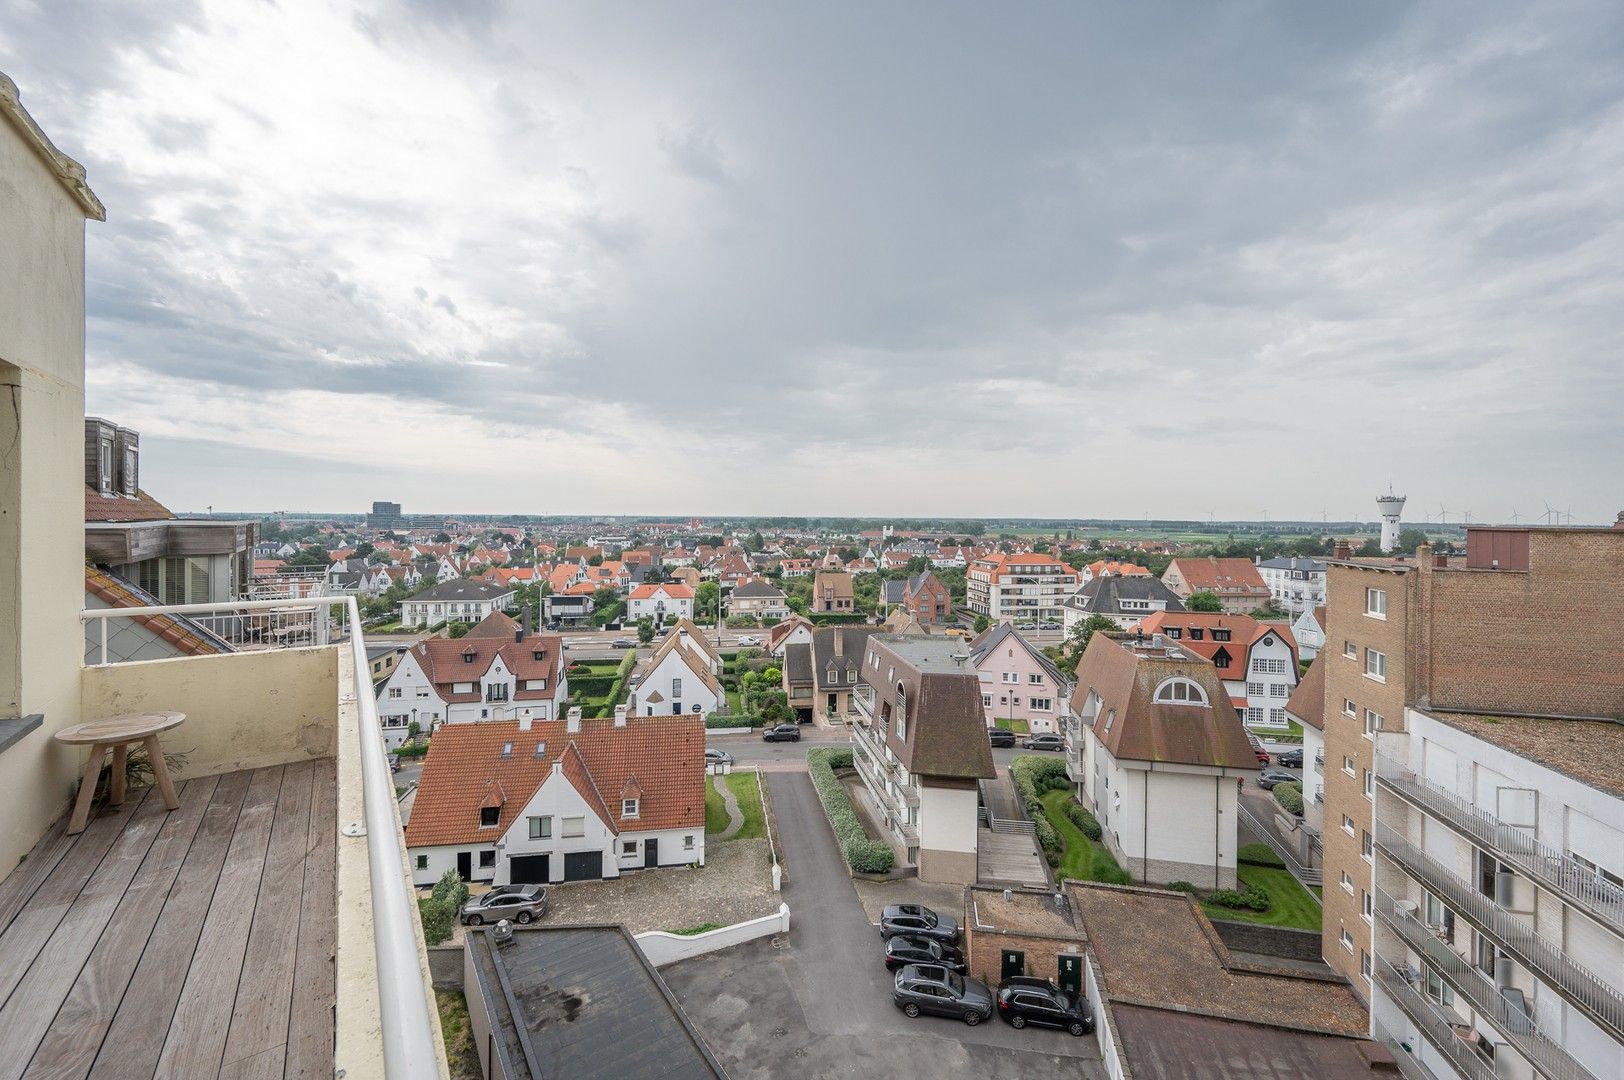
x,y
1517,628
923,596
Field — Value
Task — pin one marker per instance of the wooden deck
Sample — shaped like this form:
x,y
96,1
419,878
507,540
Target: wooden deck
x,y
191,944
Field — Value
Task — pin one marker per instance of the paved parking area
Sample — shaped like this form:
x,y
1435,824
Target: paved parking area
x,y
816,1003
735,884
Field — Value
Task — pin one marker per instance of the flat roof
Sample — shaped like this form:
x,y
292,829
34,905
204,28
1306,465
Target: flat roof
x,y
929,652
1587,750
1023,913
1166,1044
584,1002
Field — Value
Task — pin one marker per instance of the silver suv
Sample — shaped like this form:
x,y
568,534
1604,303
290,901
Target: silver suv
x,y
515,903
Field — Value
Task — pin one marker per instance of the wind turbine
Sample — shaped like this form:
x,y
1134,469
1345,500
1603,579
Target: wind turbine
x,y
1514,515
1549,513
1443,515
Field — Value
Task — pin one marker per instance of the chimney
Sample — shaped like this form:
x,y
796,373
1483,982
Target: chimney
x,y
573,726
620,715
524,722
1342,550
524,625
1619,522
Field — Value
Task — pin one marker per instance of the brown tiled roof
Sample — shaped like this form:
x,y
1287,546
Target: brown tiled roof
x,y
1307,702
946,732
1158,948
143,507
442,660
838,582
665,754
497,624
1217,575
1143,730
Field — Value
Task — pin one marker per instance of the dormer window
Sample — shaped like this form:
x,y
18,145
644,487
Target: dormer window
x,y
541,748
1223,635
507,749
1180,691
1196,633
468,657
488,816
540,654
1174,632
628,807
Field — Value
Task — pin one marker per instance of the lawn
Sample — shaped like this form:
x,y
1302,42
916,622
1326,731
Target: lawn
x,y
460,1052
1019,727
1289,903
715,812
1080,858
734,704
748,793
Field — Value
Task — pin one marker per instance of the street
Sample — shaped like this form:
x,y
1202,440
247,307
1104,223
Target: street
x,y
791,757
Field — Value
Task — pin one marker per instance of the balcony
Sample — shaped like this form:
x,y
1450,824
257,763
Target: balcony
x,y
1319,763
1515,1025
267,926
1552,870
1436,1027
1600,1002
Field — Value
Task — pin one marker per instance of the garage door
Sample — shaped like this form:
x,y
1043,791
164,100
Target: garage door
x,y
583,866
529,870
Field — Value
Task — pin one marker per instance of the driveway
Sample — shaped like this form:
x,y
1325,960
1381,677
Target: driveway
x,y
817,1002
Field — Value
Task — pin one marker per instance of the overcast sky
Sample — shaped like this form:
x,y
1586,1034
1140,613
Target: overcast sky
x,y
1041,260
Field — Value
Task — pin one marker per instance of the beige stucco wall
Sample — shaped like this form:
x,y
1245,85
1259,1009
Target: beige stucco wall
x,y
243,710
42,361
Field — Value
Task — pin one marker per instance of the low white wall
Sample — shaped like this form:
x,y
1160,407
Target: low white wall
x,y
1116,1066
662,948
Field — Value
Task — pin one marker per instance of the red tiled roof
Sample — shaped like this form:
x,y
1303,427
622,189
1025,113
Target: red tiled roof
x,y
179,633
1244,631
675,592
664,754
443,662
143,507
1221,575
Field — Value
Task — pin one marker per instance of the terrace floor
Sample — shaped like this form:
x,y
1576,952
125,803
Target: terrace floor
x,y
197,943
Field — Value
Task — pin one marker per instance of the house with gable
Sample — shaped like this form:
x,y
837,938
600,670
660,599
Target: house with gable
x,y
459,600
1125,598
921,595
1239,586
1257,661
551,802
758,598
795,630
664,602
1017,682
677,680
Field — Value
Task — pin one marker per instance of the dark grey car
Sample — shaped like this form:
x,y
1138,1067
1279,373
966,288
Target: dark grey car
x,y
917,920
516,903
927,988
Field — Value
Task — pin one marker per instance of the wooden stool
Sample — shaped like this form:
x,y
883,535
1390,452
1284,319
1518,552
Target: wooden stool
x,y
119,732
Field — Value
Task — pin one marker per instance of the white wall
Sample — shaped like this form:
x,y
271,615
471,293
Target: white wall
x,y
1266,692
947,818
662,948
1168,813
664,678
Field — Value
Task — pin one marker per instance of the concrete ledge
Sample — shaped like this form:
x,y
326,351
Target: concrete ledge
x,y
663,948
13,728
729,731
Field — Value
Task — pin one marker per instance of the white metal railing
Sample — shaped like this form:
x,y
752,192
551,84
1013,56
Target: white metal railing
x,y
1542,864
1436,1027
1516,1025
1600,1002
243,624
409,1050
1409,1066
1308,876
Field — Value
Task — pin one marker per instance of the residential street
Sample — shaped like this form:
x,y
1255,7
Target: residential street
x,y
817,1003
791,757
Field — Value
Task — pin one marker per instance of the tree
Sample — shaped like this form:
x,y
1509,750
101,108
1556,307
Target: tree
x,y
442,538
594,560
413,730
645,629
603,596
457,629
1203,601
982,622
754,541
1083,631
315,555
1410,539
705,598
796,604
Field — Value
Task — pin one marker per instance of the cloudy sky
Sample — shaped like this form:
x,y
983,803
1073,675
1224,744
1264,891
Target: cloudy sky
x,y
1075,260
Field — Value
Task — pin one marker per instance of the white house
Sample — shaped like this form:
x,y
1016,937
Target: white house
x,y
1156,750
459,600
560,801
663,602
1257,661
1295,584
795,630
470,679
676,681
1309,631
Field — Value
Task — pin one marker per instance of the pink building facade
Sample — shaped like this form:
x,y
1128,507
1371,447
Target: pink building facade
x,y
1018,683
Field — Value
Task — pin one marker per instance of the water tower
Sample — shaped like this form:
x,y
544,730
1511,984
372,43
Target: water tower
x,y
1390,506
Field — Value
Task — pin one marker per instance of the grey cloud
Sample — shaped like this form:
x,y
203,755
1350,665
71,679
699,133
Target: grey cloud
x,y
695,153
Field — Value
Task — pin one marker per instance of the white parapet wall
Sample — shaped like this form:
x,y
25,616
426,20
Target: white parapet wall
x,y
662,948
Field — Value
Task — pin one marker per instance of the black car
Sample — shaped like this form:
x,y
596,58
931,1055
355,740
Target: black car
x,y
905,949
782,733
1271,776
1291,759
1043,742
1023,1000
930,988
917,920
1000,736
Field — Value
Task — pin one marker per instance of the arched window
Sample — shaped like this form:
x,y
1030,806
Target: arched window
x,y
902,712
1180,691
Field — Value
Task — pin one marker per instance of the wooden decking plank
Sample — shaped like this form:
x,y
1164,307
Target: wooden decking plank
x,y
140,1020
310,1027
197,1032
69,1047
144,859
37,921
259,1021
24,880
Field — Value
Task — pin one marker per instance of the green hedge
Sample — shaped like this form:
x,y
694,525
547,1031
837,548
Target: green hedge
x,y
1250,898
609,614
731,720
412,750
1290,797
1032,777
1082,817
862,854
591,685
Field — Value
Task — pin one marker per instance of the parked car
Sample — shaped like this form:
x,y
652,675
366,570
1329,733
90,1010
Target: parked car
x,y
1262,756
516,903
917,920
1023,1000
905,949
1271,776
1044,742
782,733
1291,759
748,639
623,643
1001,736
714,756
930,988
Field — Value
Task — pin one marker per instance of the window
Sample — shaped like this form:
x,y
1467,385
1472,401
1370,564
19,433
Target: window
x,y
1347,941
1376,665
1110,718
1347,764
1037,679
676,688
507,749
488,816
541,828
1220,634
1269,665
1254,689
986,701
1175,632
1364,963
487,859
1180,691
422,862
1376,603
1367,907
1254,715
1040,704
628,847
628,807
1347,883
574,826
394,691
851,676
1373,723
1009,676
1278,689
1349,708
1370,785
1368,847
1347,824
1601,872
1277,716
1196,633
1350,650
688,842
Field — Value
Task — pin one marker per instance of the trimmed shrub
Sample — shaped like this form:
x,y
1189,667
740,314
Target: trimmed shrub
x,y
1082,817
1260,855
1290,797
862,854
1250,898
732,720
1183,886
413,750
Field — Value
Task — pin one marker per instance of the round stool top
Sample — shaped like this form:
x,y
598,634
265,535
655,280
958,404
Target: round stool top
x,y
116,729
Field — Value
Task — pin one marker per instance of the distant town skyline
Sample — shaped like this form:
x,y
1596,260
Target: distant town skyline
x,y
863,260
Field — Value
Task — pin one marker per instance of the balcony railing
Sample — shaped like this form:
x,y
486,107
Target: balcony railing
x,y
1544,865
408,1039
1435,1027
1600,1002
1515,1025
1409,1066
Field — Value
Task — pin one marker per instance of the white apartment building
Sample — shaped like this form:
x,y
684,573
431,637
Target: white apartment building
x,y
457,600
1019,588
1295,584
1498,904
